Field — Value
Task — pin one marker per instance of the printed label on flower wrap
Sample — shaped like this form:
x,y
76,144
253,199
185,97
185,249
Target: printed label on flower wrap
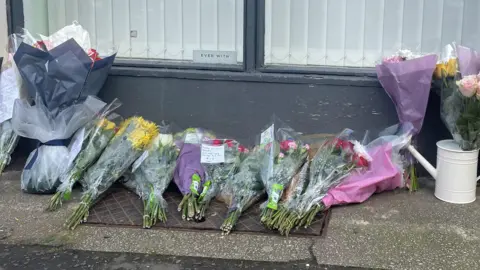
x,y
212,154
192,138
274,197
267,135
195,184
139,161
206,187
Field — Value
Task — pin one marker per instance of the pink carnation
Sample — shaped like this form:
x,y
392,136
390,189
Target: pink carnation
x,y
281,155
292,145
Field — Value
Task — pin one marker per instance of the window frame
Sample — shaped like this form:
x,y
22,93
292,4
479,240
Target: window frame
x,y
253,49
298,69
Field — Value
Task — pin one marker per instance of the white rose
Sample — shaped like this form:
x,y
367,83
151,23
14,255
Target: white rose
x,y
166,139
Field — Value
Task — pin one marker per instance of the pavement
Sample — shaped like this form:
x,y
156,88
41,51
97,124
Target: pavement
x,y
392,230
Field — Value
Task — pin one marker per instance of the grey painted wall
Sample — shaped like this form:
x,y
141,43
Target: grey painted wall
x,y
242,109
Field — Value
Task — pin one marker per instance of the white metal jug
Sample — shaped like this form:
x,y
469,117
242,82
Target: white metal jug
x,y
456,172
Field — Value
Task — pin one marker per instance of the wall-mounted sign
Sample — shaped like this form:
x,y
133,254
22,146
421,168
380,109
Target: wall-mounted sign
x,y
215,57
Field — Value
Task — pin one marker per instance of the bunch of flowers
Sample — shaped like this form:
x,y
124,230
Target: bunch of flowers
x,y
243,189
464,118
87,145
8,142
62,76
460,104
190,174
219,171
131,140
334,161
291,156
10,90
152,173
407,79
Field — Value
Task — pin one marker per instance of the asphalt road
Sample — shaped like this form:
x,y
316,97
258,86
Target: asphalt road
x,y
41,257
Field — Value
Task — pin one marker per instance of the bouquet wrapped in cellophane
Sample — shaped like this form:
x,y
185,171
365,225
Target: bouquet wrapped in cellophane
x,y
407,79
243,189
153,172
284,154
385,171
8,142
189,175
334,160
61,74
131,140
10,90
87,145
460,94
221,159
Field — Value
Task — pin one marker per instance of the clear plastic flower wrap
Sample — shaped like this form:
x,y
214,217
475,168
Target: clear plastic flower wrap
x,y
284,154
60,74
385,172
243,190
86,146
10,90
221,159
189,175
153,171
8,142
460,93
407,79
335,159
46,164
128,144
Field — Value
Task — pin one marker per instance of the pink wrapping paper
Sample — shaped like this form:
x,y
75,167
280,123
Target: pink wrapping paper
x,y
382,175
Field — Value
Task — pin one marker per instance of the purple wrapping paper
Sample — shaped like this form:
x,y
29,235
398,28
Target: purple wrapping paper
x,y
468,61
408,85
188,164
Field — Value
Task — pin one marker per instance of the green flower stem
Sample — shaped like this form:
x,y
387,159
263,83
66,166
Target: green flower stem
x,y
81,212
3,164
152,212
61,195
413,179
230,222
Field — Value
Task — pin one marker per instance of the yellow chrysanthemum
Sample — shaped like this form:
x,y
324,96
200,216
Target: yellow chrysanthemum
x,y
143,133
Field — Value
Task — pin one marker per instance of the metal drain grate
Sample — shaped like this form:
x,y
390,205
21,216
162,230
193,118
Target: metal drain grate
x,y
122,207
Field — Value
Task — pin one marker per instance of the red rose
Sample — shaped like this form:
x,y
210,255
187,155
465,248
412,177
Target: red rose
x,y
284,145
93,55
229,143
343,145
359,161
217,142
242,149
